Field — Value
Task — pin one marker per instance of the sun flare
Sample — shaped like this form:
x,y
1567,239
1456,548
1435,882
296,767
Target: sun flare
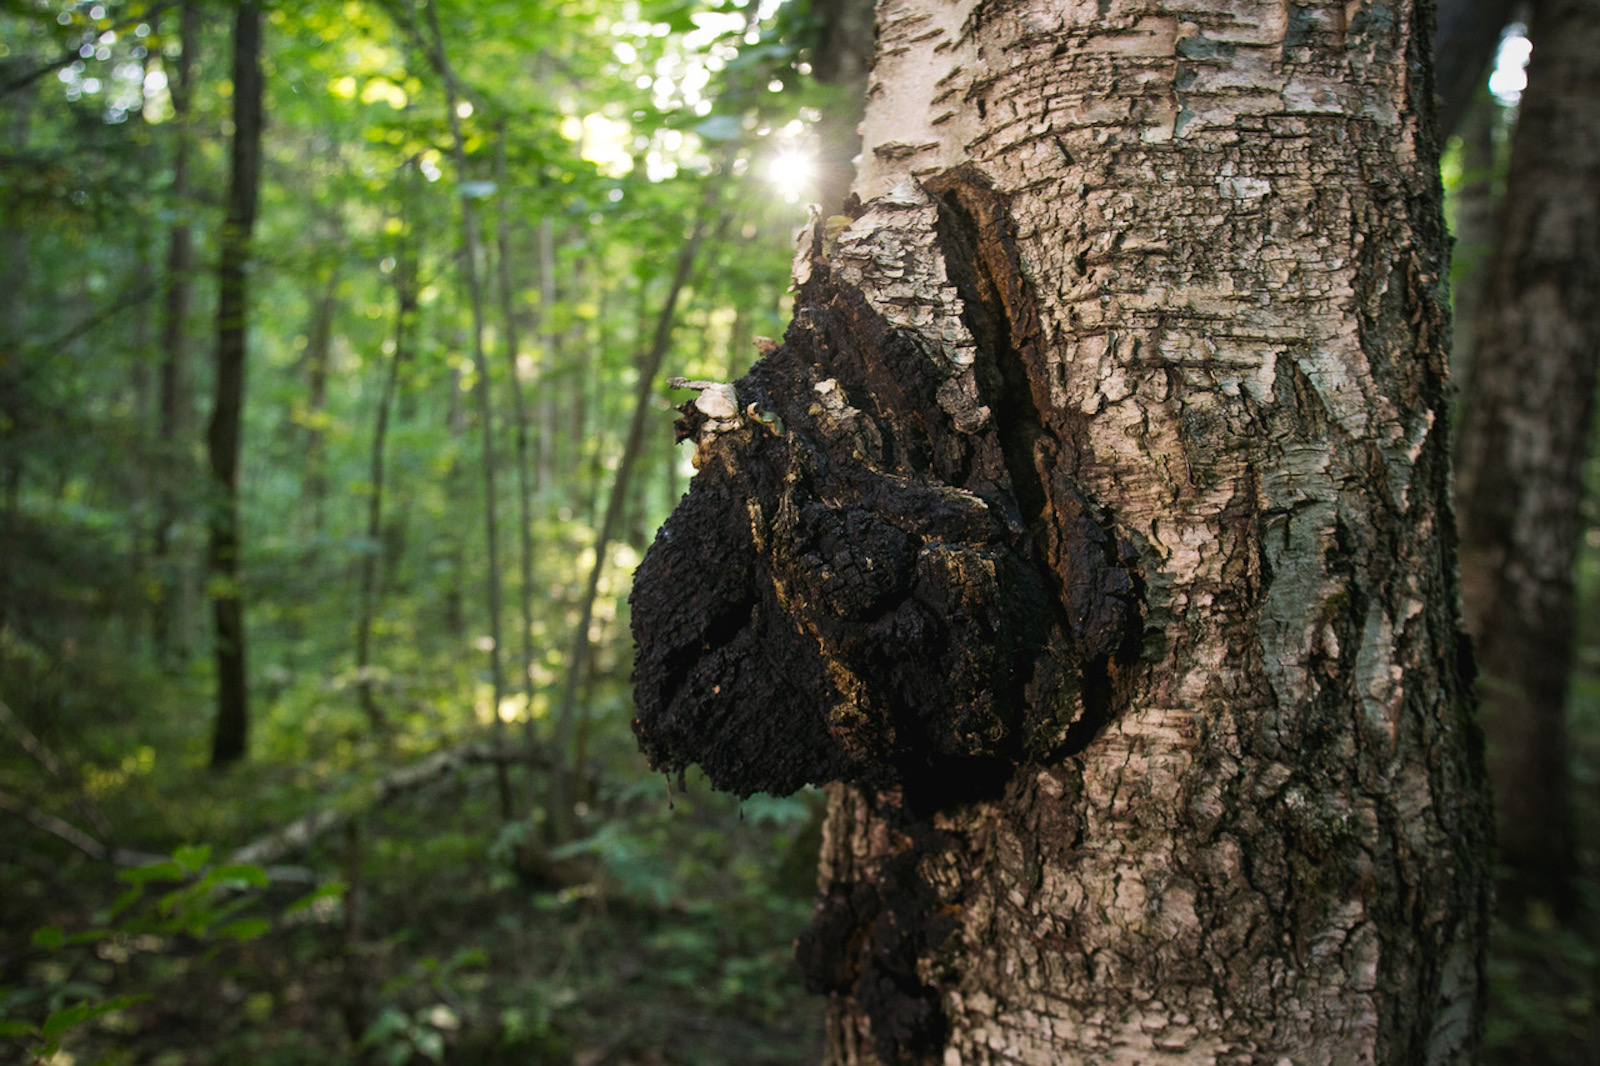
x,y
792,171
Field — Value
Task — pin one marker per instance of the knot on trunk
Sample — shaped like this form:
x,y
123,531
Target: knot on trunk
x,y
885,571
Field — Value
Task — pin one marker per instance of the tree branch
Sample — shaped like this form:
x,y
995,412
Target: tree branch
x,y
304,832
71,55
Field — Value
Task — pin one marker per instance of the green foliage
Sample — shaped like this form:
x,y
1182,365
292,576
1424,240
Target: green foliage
x,y
207,906
428,938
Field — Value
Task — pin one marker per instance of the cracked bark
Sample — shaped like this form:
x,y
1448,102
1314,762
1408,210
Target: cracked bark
x,y
1089,537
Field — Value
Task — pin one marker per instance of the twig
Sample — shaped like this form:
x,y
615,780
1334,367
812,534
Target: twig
x,y
304,832
54,766
102,852
31,743
72,54
64,830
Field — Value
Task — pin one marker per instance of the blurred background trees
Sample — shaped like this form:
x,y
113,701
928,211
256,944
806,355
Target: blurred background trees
x,y
485,234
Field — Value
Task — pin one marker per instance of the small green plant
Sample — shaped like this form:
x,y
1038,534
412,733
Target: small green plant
x,y
205,903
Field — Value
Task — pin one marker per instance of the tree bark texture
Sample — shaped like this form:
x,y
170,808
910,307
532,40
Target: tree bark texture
x,y
1089,535
1526,433
231,737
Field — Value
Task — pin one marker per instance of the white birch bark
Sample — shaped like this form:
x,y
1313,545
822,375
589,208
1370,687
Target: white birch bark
x,y
1274,851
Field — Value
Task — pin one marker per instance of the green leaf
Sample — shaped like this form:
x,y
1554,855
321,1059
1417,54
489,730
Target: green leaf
x,y
16,1029
50,937
327,890
245,929
192,857
124,901
430,1044
156,871
68,1017
468,957
387,1024
234,875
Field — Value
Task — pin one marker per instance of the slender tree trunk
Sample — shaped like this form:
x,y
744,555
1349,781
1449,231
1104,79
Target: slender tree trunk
x,y
170,616
1090,534
405,289
355,1007
740,335
470,255
454,548
14,255
319,347
544,459
524,458
1526,433
231,739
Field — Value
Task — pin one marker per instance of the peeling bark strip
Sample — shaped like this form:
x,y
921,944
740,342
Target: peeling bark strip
x,y
1090,533
885,572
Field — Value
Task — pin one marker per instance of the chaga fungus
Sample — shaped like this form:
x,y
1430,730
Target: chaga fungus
x,y
885,571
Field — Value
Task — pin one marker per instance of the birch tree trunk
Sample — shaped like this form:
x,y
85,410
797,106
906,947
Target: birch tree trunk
x,y
1527,427
1090,536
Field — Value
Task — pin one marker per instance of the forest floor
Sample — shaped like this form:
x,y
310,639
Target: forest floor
x,y
441,932
425,928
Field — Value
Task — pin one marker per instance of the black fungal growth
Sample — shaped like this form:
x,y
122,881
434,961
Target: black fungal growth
x,y
868,939
855,589
861,586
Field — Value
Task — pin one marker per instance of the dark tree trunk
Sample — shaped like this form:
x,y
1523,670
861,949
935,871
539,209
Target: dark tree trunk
x,y
1473,246
1469,31
231,738
1526,433
15,120
170,613
844,56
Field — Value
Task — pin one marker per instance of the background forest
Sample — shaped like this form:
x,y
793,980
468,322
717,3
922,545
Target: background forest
x,y
314,706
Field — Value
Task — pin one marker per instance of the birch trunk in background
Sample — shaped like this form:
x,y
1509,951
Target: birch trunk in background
x,y
1090,536
1526,433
